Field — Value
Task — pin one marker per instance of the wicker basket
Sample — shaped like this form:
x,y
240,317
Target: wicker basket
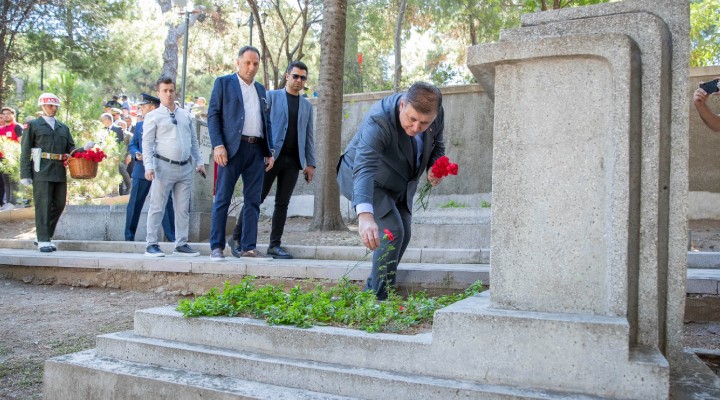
x,y
81,168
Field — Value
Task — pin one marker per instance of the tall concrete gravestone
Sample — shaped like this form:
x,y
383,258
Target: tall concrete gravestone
x,y
590,149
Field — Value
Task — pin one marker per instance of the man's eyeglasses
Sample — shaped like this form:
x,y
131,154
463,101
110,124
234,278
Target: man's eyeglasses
x,y
172,115
301,77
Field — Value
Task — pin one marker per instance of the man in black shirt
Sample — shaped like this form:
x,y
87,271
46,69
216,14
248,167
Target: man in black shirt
x,y
292,129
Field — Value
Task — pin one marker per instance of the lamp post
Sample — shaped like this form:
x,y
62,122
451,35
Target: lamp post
x,y
189,9
250,23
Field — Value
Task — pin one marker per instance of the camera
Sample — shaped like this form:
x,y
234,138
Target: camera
x,y
710,87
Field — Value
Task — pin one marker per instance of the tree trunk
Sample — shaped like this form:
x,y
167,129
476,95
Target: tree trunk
x,y
327,215
170,53
398,45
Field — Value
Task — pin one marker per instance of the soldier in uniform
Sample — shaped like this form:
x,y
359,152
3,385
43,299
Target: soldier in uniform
x,y
46,169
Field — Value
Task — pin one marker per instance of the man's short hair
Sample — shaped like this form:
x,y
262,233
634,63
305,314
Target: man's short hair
x,y
245,49
297,64
107,116
166,80
124,97
424,97
12,110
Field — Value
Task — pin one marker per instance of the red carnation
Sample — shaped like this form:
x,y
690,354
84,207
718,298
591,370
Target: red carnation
x,y
389,234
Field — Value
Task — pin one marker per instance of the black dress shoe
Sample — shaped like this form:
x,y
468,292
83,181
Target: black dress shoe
x,y
236,251
279,252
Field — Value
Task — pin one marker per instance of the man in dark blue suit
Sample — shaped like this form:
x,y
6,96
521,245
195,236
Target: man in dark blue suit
x,y
239,129
140,185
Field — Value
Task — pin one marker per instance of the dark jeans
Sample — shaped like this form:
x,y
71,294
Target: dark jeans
x,y
286,171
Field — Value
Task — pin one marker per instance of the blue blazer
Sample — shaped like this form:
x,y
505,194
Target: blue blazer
x,y
135,146
277,101
226,115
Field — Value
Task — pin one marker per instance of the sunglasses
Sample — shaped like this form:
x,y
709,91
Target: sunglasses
x,y
174,121
301,77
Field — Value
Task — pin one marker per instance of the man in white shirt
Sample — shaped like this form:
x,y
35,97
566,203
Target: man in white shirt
x,y
170,154
239,128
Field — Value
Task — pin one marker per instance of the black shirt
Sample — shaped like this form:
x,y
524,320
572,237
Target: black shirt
x,y
290,146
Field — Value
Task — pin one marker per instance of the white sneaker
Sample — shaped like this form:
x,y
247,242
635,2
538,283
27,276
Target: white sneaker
x,y
45,247
7,207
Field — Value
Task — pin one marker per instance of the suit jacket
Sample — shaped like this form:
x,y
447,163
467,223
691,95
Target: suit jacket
x,y
277,102
57,141
226,115
377,166
135,146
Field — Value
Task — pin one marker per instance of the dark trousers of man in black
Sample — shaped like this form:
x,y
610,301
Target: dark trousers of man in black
x,y
286,171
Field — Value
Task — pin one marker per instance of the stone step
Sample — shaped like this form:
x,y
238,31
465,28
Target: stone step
x,y
443,276
344,379
448,274
457,330
87,376
412,254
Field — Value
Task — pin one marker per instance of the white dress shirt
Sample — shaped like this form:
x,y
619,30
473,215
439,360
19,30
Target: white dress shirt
x,y
161,136
252,126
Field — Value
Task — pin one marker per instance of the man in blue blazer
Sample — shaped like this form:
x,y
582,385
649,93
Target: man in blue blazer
x,y
239,130
400,137
292,134
140,185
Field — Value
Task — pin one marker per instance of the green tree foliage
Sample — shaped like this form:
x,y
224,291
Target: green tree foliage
x,y
705,32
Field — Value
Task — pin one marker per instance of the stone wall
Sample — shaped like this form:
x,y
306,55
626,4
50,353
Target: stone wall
x,y
704,151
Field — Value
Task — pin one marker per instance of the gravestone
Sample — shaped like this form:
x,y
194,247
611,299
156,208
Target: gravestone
x,y
590,186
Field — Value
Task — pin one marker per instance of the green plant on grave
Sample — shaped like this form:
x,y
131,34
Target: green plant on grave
x,y
484,204
453,204
344,304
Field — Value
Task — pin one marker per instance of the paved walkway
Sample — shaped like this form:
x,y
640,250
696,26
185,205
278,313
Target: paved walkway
x,y
449,268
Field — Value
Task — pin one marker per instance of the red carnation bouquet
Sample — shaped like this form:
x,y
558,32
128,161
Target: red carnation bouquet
x,y
94,155
442,168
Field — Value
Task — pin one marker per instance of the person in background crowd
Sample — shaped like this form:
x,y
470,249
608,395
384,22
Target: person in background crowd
x,y
10,131
711,119
45,169
170,154
239,128
140,185
119,136
293,136
116,113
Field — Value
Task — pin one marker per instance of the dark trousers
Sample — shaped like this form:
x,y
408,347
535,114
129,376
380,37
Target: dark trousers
x,y
49,198
138,194
388,255
4,181
249,163
286,171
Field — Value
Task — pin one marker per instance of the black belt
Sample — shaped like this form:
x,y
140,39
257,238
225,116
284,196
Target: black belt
x,y
250,139
173,161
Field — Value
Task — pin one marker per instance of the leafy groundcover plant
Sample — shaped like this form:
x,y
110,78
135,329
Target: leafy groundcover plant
x,y
344,304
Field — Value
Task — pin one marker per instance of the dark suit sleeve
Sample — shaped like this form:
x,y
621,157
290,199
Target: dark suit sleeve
x,y
214,116
372,140
18,130
134,146
438,149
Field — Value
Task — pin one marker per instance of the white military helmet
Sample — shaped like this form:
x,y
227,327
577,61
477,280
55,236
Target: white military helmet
x,y
48,99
